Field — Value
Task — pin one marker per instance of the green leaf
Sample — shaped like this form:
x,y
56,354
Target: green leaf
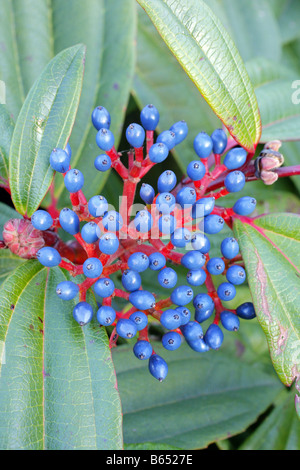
x,y
279,431
160,80
45,122
289,21
7,128
150,446
6,213
57,387
8,263
207,53
270,246
203,399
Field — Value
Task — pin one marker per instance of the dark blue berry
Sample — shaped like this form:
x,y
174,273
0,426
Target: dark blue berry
x,y
158,152
147,193
193,260
195,170
105,139
89,232
97,206
171,340
203,145
235,181
180,237
203,302
215,266
236,275
142,300
192,331
170,319
149,117
48,257
235,158
92,268
198,345
186,197
182,295
158,367
185,314
230,321
102,162
104,287
245,205
203,315
126,328
109,243
156,261
106,315
67,290
165,203
203,207
83,313
135,135
226,291
167,224
200,242
112,221
69,221
131,280
196,277
138,262
180,130
214,336
166,181
230,248
168,138
142,350
246,311
140,319
167,278
212,224
41,220
74,181
219,139
143,221
101,118
60,160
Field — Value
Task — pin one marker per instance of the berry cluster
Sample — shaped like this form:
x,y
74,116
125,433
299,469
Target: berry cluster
x,y
185,214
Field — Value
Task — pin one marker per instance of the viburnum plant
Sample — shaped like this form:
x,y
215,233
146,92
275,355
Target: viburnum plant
x,y
75,286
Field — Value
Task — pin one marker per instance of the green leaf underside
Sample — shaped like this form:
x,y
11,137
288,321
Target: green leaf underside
x,y
271,250
7,128
207,53
205,397
57,387
44,123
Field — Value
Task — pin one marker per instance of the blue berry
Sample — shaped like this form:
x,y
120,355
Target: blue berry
x,y
212,224
131,280
67,290
215,266
74,181
143,221
156,261
246,311
236,275
196,277
126,328
185,315
69,221
142,300
102,162
41,220
92,268
48,257
97,206
104,287
195,170
192,331
138,262
165,203
198,345
193,260
219,139
167,278
171,340
170,319
203,145
149,117
106,315
182,296
101,118
214,336
89,232
235,181
147,193
203,207
158,152
166,181
230,321
180,237
180,130
83,313
230,248
112,221
200,242
109,243
245,205
235,158
203,303
135,135
186,197
158,367
202,315
142,350
60,160
168,138
167,224
140,319
226,291
105,139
